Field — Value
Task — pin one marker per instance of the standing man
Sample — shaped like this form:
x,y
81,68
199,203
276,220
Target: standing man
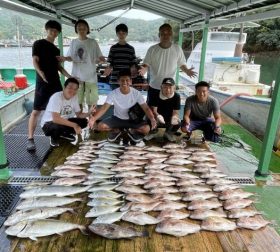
x,y
85,52
162,60
46,64
198,111
121,55
123,98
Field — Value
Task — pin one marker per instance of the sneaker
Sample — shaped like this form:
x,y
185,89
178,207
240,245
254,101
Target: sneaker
x,y
150,136
113,136
69,137
30,145
135,137
53,142
170,136
187,138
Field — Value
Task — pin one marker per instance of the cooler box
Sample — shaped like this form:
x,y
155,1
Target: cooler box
x,y
21,81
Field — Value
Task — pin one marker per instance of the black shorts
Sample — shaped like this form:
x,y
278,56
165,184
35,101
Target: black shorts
x,y
43,92
114,122
152,96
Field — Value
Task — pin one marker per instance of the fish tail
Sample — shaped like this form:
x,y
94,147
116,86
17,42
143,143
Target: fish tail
x,y
83,230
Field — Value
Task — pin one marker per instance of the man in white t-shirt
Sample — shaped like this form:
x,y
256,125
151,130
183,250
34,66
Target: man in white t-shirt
x,y
63,117
162,60
84,53
123,98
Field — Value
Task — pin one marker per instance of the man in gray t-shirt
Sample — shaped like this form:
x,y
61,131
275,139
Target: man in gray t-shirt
x,y
198,111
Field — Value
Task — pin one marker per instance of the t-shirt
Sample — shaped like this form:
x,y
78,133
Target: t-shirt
x,y
201,111
85,54
123,102
48,63
121,57
166,107
59,104
163,63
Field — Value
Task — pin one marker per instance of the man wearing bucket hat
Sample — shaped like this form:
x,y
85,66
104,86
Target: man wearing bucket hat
x,y
166,109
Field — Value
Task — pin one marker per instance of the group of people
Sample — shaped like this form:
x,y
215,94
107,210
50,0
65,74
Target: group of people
x,y
64,116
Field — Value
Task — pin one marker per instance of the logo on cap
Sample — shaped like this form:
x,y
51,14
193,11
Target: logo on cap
x,y
169,81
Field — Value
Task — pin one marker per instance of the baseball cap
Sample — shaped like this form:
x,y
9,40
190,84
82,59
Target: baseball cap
x,y
169,81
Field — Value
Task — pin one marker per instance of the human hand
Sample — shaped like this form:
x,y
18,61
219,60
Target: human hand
x,y
218,130
91,122
92,110
78,129
107,71
153,123
41,73
175,120
160,119
142,71
191,73
61,58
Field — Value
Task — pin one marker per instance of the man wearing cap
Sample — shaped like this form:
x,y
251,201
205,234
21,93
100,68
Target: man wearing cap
x,y
162,61
166,109
198,111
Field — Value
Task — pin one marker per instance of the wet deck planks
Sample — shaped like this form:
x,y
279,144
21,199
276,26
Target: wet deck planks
x,y
262,240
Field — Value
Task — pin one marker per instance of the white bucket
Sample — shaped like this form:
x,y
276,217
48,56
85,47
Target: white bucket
x,y
252,77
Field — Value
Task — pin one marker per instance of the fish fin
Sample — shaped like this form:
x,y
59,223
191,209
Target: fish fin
x,y
33,238
145,233
83,230
71,210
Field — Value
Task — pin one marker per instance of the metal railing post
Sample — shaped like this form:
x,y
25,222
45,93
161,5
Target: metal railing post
x,y
180,43
203,50
60,46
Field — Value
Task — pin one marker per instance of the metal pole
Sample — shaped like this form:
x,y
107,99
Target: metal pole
x,y
4,170
180,43
270,132
203,50
60,46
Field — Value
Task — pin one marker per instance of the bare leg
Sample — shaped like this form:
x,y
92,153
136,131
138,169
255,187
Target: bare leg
x,y
33,122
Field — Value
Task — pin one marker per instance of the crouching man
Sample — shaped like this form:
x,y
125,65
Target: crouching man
x,y
123,98
166,109
198,111
63,117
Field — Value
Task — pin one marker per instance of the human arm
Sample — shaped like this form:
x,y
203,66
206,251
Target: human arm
x,y
188,71
143,69
63,71
218,122
36,60
62,121
186,120
158,116
175,119
98,114
64,58
149,114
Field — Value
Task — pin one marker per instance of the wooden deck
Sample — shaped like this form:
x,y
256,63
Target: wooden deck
x,y
266,239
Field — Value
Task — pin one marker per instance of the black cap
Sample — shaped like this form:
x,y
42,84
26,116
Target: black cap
x,y
169,81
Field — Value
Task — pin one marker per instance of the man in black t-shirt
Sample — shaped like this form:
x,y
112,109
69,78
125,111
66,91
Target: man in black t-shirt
x,y
166,109
46,64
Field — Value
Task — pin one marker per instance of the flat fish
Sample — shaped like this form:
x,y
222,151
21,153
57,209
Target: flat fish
x,y
203,204
173,214
237,203
108,218
113,231
180,161
253,223
216,224
235,194
170,205
105,194
68,181
190,196
101,210
242,212
205,213
130,189
139,198
177,227
140,218
40,228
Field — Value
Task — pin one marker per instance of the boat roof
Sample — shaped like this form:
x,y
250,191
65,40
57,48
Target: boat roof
x,y
186,12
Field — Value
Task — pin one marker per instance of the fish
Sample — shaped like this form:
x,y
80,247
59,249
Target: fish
x,y
180,156
166,196
201,158
160,177
162,190
69,173
157,160
203,204
42,202
237,203
40,228
93,176
144,207
177,227
103,202
58,191
132,162
101,210
187,176
205,164
220,188
109,218
101,170
35,214
84,154
178,161
132,157
107,187
130,174
113,231
88,147
104,160
203,153
237,193
139,198
70,167
136,152
196,188
125,168
202,214
108,148
152,155
140,218
154,149
157,172
253,223
242,212
68,181
133,181
178,151
114,145
100,152
195,149
203,169
78,157
94,181
92,151
208,175
173,146
169,205
216,224
130,189
190,196
175,168
157,183
103,165
219,181
156,166
77,162
109,156
189,182
173,214
105,194
136,148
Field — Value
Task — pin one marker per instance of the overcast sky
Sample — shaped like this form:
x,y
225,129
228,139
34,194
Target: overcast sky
x,y
135,14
